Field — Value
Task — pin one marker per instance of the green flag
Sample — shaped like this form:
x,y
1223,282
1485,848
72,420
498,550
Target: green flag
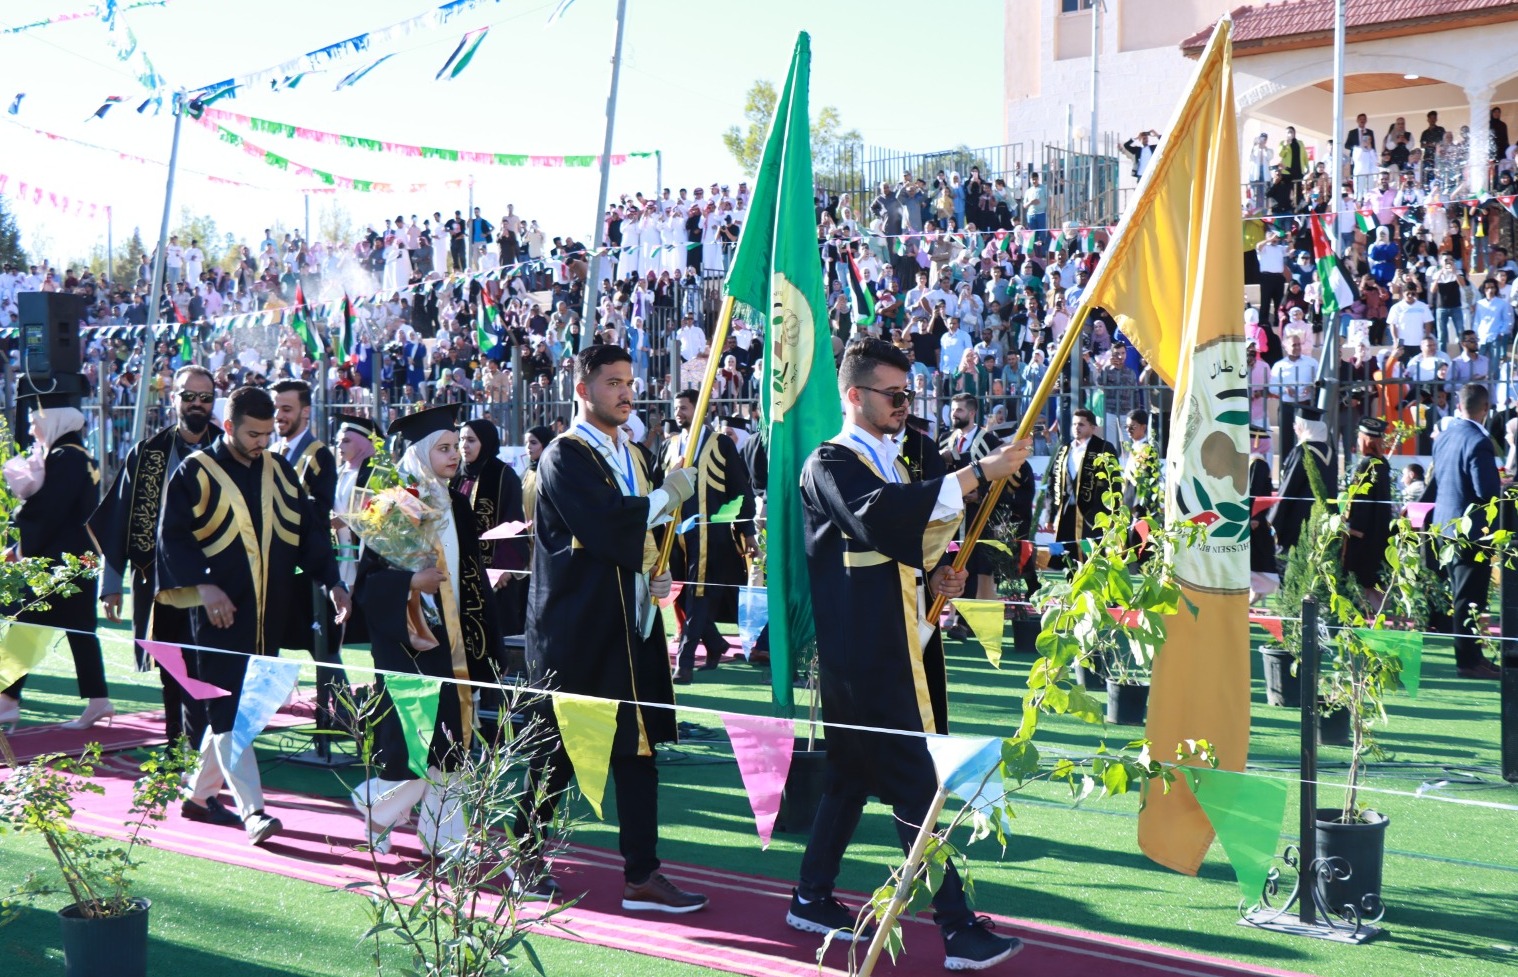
x,y
729,512
345,348
1405,646
484,330
186,347
1246,811
777,271
300,322
415,699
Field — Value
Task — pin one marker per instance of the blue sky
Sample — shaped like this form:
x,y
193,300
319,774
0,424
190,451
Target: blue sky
x,y
904,76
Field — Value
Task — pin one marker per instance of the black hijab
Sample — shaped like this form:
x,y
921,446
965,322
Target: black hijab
x,y
490,446
544,436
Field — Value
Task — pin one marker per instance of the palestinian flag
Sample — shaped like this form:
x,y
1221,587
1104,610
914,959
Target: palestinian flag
x,y
1089,241
186,347
1335,284
901,245
463,54
485,335
301,322
864,301
1507,200
346,349
1365,220
1003,241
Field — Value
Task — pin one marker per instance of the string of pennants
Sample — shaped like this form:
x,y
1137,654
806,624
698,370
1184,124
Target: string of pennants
x,y
1246,811
37,195
212,117
89,13
133,158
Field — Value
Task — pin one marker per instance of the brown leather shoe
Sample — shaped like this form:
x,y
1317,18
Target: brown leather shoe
x,y
1484,670
658,894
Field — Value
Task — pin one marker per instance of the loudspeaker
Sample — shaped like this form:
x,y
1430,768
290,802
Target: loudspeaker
x,y
49,324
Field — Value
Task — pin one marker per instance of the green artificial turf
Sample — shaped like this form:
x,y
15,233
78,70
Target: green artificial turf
x,y
1451,876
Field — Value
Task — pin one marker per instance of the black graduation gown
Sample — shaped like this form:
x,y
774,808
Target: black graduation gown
x,y
1077,506
1295,507
1371,515
246,528
382,591
983,444
316,472
1262,538
708,553
582,609
52,523
495,496
867,543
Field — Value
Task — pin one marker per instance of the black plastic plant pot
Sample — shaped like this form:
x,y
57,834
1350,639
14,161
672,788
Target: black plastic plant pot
x,y
1362,847
1025,633
1282,687
803,788
1127,704
1093,678
1333,728
106,946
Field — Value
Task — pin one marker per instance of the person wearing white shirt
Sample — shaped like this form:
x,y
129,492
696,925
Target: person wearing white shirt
x,y
952,348
1292,379
194,262
173,260
1272,255
1493,320
692,340
743,335
936,295
1409,320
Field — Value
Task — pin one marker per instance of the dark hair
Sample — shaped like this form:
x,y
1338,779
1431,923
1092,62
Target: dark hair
x,y
192,370
252,402
592,358
299,387
689,394
970,401
1083,412
862,356
1138,417
1474,397
1416,469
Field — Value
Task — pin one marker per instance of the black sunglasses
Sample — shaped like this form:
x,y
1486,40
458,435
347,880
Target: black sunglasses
x,y
189,397
898,398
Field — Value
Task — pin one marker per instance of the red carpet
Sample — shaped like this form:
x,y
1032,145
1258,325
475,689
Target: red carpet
x,y
743,932
127,731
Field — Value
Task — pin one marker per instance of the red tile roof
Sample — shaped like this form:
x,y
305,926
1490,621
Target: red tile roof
x,y
1306,21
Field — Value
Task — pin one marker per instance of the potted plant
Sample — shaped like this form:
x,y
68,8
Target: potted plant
x,y
1012,585
105,928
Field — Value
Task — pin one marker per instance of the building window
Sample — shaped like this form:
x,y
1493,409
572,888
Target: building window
x,y
1074,6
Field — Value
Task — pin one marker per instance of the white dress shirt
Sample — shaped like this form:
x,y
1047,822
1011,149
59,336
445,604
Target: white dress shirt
x,y
883,454
618,454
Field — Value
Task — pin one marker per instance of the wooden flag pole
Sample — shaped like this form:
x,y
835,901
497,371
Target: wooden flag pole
x,y
1024,430
904,884
703,401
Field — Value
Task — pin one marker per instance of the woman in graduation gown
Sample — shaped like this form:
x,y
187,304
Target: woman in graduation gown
x,y
51,523
495,494
436,622
537,440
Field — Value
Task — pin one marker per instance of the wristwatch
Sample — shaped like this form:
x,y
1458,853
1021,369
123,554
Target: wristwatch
x,y
982,481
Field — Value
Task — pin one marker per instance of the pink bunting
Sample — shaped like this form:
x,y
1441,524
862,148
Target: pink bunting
x,y
506,530
1141,529
546,160
1128,619
1272,625
1262,503
763,746
1024,554
171,658
495,576
1418,513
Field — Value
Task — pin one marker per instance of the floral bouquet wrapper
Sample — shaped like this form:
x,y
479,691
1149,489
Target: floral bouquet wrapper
x,y
396,524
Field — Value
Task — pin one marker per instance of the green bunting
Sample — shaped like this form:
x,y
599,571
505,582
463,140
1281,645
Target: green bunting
x,y
728,513
1246,812
1406,646
415,698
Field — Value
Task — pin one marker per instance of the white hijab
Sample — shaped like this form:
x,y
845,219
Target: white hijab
x,y
416,461
25,473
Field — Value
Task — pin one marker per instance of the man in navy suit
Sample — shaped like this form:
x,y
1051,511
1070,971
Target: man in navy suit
x,y
1465,478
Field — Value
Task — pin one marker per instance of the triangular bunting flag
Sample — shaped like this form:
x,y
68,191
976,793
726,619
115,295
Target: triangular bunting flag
x,y
506,530
22,648
265,688
1272,625
463,54
1246,812
966,767
763,746
1418,513
415,698
987,619
1263,502
587,727
1406,646
753,615
729,512
171,659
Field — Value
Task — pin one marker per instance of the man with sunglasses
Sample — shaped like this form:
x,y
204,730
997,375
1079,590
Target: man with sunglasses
x,y
875,545
125,527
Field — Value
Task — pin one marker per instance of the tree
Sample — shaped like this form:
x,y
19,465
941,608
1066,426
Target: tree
x,y
203,229
125,272
334,224
835,161
11,252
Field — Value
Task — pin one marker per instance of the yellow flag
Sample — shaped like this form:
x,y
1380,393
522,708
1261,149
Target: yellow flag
x,y
22,648
987,618
1174,276
587,727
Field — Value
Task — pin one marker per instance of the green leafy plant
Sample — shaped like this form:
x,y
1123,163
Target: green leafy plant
x,y
40,796
459,914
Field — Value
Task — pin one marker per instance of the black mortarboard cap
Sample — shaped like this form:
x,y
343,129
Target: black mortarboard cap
x,y
1373,426
411,428
353,422
1309,413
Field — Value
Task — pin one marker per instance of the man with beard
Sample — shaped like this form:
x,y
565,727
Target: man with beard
x,y
875,540
1079,476
708,557
234,530
125,527
965,443
316,474
593,624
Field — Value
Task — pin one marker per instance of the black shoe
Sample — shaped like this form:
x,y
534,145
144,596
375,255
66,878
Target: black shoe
x,y
534,881
711,663
974,947
959,632
682,676
261,827
212,811
826,916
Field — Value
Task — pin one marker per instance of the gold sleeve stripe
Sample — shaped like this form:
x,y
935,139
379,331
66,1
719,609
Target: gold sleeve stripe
x,y
283,509
203,494
216,523
865,558
284,481
224,540
285,534
936,539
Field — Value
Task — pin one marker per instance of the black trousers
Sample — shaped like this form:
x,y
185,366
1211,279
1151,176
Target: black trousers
x,y
1272,291
77,614
700,628
181,714
637,785
838,814
456,253
1469,583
